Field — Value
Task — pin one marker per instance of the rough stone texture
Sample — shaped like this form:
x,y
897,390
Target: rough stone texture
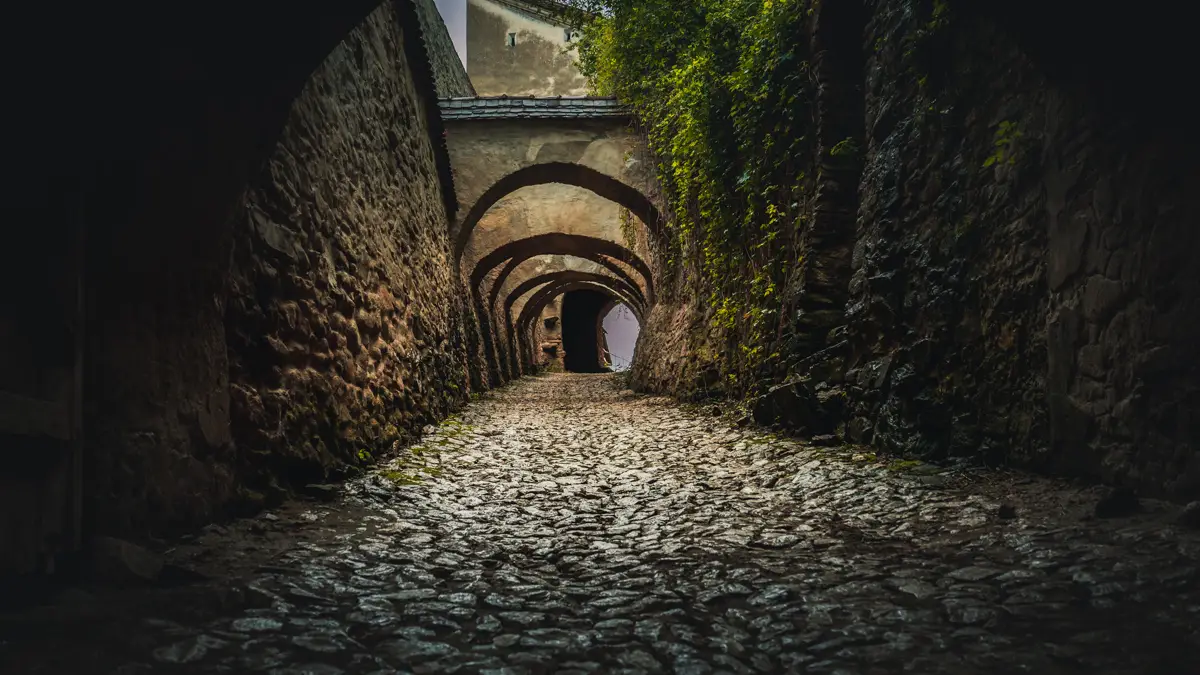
x,y
948,294
546,337
449,72
1038,309
674,353
1021,285
342,318
161,448
563,525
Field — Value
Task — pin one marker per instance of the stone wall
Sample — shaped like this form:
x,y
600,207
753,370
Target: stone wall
x,y
536,65
341,321
546,337
239,346
449,72
948,297
1020,288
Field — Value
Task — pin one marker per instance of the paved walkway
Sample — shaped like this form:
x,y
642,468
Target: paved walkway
x,y
568,527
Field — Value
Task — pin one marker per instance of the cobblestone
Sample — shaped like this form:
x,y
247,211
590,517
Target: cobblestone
x,y
566,527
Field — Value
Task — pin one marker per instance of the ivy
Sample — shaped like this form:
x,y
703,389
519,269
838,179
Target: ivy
x,y
1004,144
844,148
724,94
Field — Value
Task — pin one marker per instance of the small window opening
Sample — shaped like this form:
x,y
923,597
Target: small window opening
x,y
512,40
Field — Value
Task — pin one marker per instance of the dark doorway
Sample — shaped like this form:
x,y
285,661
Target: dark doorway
x,y
580,331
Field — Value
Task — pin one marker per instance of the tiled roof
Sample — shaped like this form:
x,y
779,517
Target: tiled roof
x,y
531,107
551,11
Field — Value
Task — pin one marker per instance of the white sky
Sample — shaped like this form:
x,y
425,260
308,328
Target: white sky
x,y
454,13
621,331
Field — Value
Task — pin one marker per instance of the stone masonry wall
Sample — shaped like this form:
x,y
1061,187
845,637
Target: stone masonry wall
x,y
449,72
1015,296
1021,287
343,330
234,342
948,298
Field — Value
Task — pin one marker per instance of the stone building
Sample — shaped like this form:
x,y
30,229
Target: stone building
x,y
520,48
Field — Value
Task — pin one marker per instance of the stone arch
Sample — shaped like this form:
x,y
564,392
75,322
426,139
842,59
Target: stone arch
x,y
534,307
524,268
604,261
500,365
513,334
565,173
571,275
561,243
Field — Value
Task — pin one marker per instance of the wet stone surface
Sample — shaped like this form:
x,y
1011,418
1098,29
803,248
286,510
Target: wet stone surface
x,y
567,527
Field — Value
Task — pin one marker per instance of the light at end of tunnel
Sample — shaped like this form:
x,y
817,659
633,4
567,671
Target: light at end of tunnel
x,y
621,331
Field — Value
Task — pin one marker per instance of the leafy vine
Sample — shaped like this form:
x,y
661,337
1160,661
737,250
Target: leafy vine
x,y
725,94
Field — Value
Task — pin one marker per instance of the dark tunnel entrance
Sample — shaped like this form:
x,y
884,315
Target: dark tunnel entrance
x,y
581,334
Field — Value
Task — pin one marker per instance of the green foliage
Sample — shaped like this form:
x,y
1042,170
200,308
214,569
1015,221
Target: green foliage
x,y
628,229
401,478
917,42
844,148
903,465
724,93
1004,145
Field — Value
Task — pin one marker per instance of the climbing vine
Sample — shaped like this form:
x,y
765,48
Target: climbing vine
x,y
724,93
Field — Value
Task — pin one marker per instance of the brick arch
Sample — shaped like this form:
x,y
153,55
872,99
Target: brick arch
x,y
565,244
600,259
565,173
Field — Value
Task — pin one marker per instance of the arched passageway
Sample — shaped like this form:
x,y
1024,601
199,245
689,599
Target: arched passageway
x,y
628,270
527,294
269,294
617,269
563,173
618,285
561,243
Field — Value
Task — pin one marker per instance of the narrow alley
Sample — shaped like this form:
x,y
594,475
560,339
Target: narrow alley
x,y
845,337
563,525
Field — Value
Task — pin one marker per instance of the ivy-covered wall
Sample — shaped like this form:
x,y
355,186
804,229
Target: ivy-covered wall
x,y
727,95
892,222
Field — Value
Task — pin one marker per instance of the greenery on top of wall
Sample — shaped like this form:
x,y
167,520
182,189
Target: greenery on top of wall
x,y
725,95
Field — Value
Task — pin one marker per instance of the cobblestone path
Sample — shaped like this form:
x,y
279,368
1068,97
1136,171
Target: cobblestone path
x,y
568,527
